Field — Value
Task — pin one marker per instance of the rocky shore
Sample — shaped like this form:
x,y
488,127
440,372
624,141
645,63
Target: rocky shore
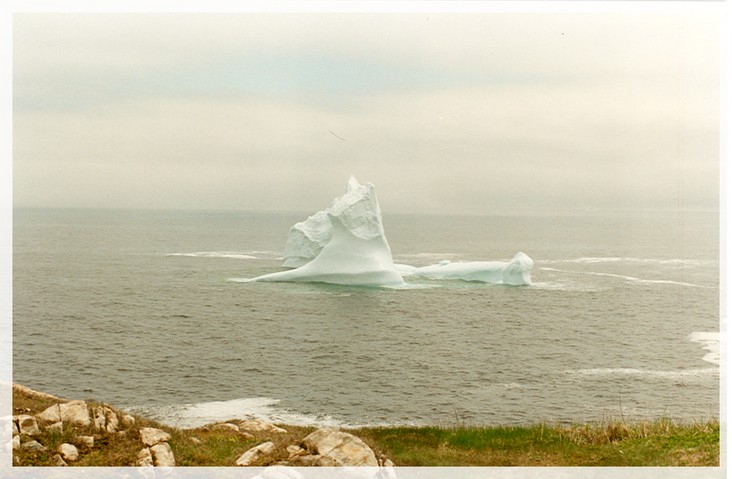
x,y
66,431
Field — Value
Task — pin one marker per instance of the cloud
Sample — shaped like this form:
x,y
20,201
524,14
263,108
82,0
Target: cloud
x,y
448,113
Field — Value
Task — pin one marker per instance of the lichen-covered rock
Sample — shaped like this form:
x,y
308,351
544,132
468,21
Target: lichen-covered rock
x,y
68,452
75,413
255,454
27,424
163,455
151,436
345,448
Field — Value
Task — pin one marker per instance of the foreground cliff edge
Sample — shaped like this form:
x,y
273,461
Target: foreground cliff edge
x,y
51,431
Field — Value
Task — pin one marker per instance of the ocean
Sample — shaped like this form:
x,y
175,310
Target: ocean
x,y
138,309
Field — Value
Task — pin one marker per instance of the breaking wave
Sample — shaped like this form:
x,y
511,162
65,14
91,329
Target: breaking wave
x,y
200,414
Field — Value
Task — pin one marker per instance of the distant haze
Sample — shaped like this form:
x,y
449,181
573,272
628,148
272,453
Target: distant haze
x,y
444,113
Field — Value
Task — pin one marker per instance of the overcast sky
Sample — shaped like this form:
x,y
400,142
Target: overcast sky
x,y
444,113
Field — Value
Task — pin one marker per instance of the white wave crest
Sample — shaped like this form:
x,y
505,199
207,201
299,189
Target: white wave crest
x,y
229,254
709,342
618,259
699,373
631,279
200,414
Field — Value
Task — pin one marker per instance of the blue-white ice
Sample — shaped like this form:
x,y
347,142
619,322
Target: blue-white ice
x,y
515,272
346,244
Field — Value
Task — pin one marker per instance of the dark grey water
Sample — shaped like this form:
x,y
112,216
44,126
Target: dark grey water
x,y
134,308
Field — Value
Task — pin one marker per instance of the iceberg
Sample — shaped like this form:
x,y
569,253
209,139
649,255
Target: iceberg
x,y
344,244
516,272
358,210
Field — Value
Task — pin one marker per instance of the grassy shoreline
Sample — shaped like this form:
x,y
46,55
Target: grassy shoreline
x,y
662,442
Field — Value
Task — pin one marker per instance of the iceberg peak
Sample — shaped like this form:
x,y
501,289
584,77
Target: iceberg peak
x,y
343,244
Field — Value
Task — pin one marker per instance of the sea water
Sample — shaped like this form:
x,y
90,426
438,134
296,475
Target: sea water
x,y
138,309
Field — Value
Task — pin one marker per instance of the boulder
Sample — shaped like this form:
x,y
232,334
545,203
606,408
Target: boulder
x,y
58,461
15,428
85,441
345,448
16,442
151,436
257,425
68,452
163,455
295,450
27,424
144,458
51,414
256,453
127,421
75,413
33,446
105,419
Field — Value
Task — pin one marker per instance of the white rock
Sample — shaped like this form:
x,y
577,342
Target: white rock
x,y
151,436
15,428
295,450
33,445
163,455
345,448
27,424
144,458
257,425
58,461
75,413
16,442
105,419
68,452
100,421
127,421
196,441
86,441
50,414
255,454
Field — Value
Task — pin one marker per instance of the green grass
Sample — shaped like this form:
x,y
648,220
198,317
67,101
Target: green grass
x,y
652,443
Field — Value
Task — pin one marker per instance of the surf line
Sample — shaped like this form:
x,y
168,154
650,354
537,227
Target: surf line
x,y
631,279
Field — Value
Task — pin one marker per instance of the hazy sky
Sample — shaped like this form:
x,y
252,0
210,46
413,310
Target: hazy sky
x,y
444,113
